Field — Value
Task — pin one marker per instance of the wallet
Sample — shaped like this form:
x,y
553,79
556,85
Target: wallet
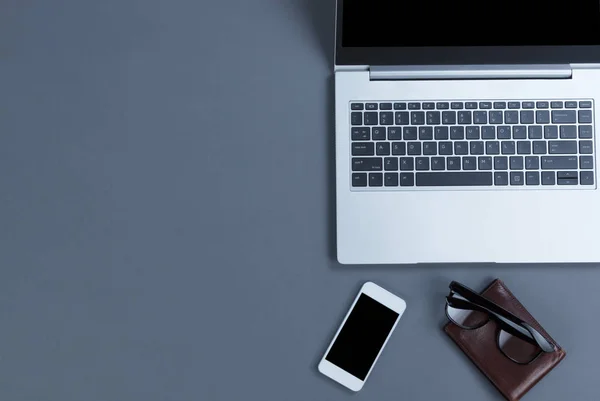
x,y
480,345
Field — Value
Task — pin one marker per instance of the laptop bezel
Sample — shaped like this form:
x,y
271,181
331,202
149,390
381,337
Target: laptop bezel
x,y
474,55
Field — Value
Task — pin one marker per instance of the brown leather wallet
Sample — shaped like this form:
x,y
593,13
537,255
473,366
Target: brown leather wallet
x,y
511,379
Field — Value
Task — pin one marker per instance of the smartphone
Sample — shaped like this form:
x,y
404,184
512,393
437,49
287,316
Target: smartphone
x,y
367,327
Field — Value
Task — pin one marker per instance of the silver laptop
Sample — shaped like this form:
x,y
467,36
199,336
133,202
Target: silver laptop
x,y
465,132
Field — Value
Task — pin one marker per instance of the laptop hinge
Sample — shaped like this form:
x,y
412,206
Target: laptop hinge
x,y
445,72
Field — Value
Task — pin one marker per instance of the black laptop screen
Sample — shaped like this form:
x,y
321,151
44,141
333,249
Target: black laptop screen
x,y
421,23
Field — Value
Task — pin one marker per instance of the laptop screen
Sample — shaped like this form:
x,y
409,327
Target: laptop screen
x,y
405,23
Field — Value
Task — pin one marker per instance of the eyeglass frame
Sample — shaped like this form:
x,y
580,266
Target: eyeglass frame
x,y
507,321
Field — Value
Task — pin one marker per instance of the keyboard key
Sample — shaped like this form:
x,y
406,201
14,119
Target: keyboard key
x,y
548,178
367,164
511,117
571,105
585,116
363,149
504,132
564,117
433,117
520,132
414,148
407,163
402,118
586,147
371,118
378,133
480,117
465,117
425,133
383,148
566,174
527,117
457,133
586,162
445,148
585,131
485,105
559,163
562,147
390,164
456,105
430,148
499,105
359,180
357,106
391,179
461,179
488,132
428,106
500,179
528,105
417,118
422,163
357,118
585,105
542,117
508,147
375,179
523,148
407,180
461,148
386,118
556,105
485,163
469,163
516,162
448,117
398,148
472,132
470,105
535,132
399,106
361,133
542,105
539,147
385,106
514,105
567,181
586,178
501,163
394,133
453,163
516,178
477,148
568,132
496,117
441,133
438,163
532,163
532,178
551,132
372,106
410,133
442,106
492,148
414,106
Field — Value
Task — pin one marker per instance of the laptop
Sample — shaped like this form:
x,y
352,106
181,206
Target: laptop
x,y
465,132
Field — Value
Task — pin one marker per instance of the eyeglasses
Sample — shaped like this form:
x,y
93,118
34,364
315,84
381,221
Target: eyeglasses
x,y
516,339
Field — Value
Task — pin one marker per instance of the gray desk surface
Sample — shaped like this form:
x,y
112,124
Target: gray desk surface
x,y
167,217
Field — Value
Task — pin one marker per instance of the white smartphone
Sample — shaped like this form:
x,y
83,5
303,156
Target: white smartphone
x,y
362,336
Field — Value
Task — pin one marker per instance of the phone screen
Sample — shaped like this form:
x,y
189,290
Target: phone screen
x,y
362,336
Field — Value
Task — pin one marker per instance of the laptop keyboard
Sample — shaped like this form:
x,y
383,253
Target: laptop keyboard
x,y
535,144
